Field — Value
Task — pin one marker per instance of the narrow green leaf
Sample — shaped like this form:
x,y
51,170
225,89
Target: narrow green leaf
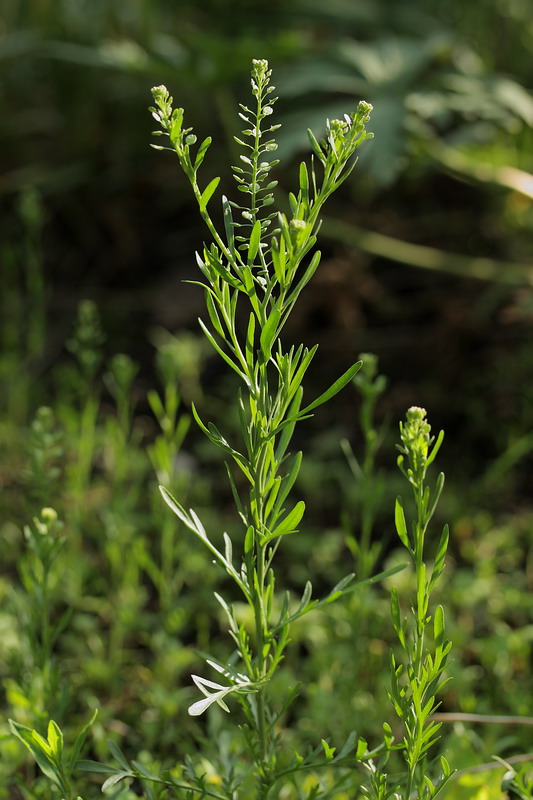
x,y
255,239
401,526
379,577
213,313
278,252
55,739
421,594
329,751
39,748
250,341
436,448
207,194
395,615
211,339
175,125
338,589
298,377
362,748
289,480
334,389
235,493
86,765
306,596
249,539
145,772
438,626
178,509
304,181
229,225
436,496
79,742
272,498
289,523
216,265
202,150
118,755
286,428
116,778
293,203
269,333
316,147
440,558
37,740
348,746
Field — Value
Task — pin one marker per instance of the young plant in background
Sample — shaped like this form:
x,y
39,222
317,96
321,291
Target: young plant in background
x,y
369,484
45,458
86,345
164,454
39,577
50,755
418,677
267,272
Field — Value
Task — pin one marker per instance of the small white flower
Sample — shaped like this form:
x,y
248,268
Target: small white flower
x,y
217,696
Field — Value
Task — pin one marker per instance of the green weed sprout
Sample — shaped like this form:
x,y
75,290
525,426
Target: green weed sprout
x,y
263,259
50,755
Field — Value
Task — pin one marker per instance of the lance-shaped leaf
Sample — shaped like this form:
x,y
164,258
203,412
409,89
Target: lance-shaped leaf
x,y
79,742
440,557
40,750
289,523
334,389
255,240
401,525
209,336
316,147
278,252
202,150
207,194
229,225
269,332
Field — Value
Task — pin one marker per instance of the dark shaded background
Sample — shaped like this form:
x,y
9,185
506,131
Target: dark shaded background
x,y
89,210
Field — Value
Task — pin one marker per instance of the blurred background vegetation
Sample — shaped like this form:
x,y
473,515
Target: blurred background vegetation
x,y
427,263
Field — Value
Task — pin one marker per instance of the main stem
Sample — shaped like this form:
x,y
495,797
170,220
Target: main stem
x,y
257,495
419,627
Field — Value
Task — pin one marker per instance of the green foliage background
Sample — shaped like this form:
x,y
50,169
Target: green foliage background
x,y
427,264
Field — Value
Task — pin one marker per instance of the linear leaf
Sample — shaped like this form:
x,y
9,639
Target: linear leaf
x,y
438,566
279,258
213,313
55,739
401,526
116,778
78,744
289,523
229,225
208,192
304,181
255,239
438,626
316,147
118,755
211,339
334,389
250,334
269,332
202,150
